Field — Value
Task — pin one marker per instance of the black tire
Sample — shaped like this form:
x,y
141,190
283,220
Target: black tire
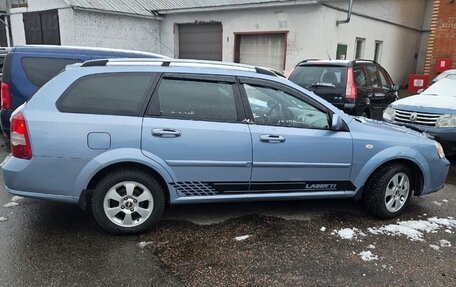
x,y
122,175
376,186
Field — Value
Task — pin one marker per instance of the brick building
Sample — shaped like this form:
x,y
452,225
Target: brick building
x,y
442,40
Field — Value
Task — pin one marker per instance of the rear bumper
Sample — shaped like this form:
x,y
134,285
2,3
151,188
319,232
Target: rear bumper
x,y
43,177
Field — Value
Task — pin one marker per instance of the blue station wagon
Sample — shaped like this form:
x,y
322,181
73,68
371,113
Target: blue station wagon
x,y
129,137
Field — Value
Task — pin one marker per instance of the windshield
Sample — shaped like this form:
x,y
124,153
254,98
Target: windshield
x,y
444,87
320,76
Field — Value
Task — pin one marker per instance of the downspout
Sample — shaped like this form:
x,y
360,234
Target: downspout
x,y
350,6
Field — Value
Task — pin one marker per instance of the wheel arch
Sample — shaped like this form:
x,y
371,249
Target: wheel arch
x,y
414,161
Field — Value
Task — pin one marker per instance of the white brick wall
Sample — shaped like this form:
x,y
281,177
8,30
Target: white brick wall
x,y
82,28
312,32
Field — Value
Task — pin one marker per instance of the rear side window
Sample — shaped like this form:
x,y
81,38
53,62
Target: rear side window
x,y
197,100
360,77
107,94
372,74
320,76
40,70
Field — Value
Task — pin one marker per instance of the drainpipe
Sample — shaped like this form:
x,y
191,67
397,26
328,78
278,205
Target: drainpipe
x,y
350,6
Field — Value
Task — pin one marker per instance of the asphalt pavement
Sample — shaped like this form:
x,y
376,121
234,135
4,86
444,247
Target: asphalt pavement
x,y
300,243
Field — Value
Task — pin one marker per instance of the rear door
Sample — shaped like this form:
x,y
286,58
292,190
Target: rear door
x,y
377,96
194,125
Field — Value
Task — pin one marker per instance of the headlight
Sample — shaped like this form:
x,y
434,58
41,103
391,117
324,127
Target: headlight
x,y
446,121
439,148
388,114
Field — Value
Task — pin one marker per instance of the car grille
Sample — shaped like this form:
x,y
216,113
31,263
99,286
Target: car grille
x,y
426,119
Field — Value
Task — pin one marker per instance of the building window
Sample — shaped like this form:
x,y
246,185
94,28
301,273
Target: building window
x,y
378,51
359,52
19,3
267,49
341,53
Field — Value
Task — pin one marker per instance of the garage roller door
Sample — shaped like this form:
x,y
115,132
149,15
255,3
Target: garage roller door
x,y
200,41
266,50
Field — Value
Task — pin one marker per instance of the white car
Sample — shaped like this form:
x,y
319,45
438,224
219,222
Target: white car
x,y
443,75
432,111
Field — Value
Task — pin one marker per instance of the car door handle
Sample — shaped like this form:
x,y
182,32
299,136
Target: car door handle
x,y
166,133
272,139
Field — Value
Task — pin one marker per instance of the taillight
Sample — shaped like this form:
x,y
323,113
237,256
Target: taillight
x,y
6,96
352,91
20,142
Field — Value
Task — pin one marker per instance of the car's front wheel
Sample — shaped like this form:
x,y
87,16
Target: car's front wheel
x,y
128,201
388,191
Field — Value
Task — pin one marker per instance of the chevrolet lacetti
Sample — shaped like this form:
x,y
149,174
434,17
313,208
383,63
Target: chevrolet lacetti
x,y
128,137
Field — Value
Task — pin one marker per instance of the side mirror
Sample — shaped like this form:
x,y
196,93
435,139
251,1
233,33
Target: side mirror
x,y
420,91
337,124
396,87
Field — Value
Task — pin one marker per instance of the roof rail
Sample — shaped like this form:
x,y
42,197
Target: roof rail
x,y
95,63
365,60
180,62
308,60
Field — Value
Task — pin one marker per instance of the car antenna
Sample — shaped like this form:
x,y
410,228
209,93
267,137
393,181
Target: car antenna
x,y
329,57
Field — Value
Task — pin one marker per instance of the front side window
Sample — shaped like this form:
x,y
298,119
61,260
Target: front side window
x,y
197,100
108,94
384,80
40,70
274,107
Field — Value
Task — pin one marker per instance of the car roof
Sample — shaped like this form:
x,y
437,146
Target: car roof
x,y
86,50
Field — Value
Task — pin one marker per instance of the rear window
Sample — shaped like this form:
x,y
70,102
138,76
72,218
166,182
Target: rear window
x,y
40,70
107,94
320,76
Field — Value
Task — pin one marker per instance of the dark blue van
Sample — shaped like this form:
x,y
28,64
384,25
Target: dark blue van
x,y
27,68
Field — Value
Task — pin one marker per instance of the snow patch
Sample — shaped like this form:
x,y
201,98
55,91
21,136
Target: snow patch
x,y
445,201
371,246
368,256
143,244
11,204
435,247
444,243
347,233
3,219
437,203
16,198
323,229
242,238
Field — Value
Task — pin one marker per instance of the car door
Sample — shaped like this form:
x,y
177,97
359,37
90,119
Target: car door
x,y
377,97
294,149
364,91
387,86
194,125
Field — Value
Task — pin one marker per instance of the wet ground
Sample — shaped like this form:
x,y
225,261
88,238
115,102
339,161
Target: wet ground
x,y
284,244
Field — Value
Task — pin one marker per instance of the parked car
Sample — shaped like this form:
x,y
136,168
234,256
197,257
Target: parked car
x,y
129,137
27,68
3,52
433,111
358,87
443,75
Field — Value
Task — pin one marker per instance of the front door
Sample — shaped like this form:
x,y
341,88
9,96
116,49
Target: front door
x,y
294,149
195,127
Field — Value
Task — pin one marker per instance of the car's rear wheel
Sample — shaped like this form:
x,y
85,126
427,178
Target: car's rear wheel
x,y
128,201
388,191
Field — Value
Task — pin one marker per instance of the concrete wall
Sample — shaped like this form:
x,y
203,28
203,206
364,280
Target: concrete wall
x,y
313,33
83,28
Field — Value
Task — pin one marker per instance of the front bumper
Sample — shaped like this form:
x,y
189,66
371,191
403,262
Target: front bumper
x,y
445,136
